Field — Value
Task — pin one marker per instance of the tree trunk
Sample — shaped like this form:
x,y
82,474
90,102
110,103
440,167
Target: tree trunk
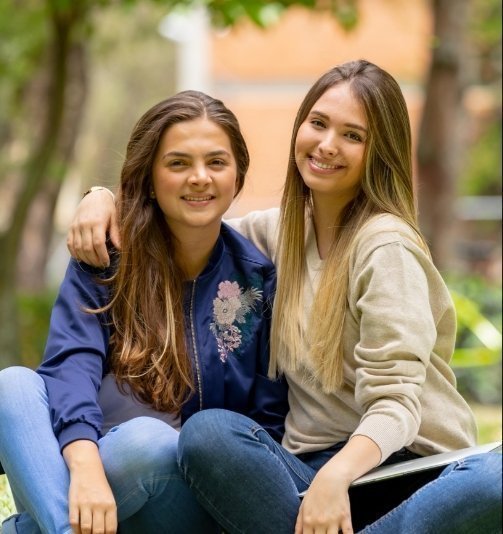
x,y
64,20
439,137
35,251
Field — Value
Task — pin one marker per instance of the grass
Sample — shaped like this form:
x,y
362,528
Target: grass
x,y
488,420
6,503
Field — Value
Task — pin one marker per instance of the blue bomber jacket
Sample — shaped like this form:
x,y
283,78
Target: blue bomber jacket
x,y
227,323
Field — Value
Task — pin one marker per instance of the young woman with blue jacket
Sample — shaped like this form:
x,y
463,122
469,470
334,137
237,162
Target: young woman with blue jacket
x,y
177,324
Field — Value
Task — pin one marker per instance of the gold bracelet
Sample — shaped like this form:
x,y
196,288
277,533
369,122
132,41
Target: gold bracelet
x,y
98,188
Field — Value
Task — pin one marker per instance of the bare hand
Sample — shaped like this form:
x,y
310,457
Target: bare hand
x,y
92,508
325,507
86,239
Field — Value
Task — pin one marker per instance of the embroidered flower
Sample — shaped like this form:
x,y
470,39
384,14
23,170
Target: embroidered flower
x,y
225,309
231,308
228,289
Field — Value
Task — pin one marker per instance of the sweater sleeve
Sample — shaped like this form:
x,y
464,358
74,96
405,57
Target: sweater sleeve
x,y
75,355
269,404
397,336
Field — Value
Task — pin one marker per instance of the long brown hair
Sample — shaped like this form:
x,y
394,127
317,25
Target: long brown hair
x,y
148,349
386,187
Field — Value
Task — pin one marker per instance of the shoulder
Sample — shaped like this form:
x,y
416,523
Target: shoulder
x,y
261,227
387,229
242,248
264,218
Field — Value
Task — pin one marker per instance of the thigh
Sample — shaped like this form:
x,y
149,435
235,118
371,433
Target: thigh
x,y
245,479
140,460
29,451
464,498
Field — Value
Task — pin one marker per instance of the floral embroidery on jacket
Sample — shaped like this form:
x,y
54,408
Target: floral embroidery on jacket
x,y
231,308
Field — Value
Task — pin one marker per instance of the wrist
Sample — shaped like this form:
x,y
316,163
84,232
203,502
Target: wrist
x,y
81,454
98,188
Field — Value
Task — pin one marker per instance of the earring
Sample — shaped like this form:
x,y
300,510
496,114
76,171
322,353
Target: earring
x,y
152,195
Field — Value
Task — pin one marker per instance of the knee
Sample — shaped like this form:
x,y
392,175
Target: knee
x,y
211,434
18,383
141,445
490,472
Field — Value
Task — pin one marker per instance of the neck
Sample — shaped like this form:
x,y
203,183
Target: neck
x,y
326,217
192,253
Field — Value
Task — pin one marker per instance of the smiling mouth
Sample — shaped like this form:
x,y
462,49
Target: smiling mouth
x,y
324,166
198,199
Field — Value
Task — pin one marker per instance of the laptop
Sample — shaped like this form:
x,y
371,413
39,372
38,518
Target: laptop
x,y
426,463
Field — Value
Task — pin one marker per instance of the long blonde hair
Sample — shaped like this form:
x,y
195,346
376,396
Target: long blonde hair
x,y
386,187
148,349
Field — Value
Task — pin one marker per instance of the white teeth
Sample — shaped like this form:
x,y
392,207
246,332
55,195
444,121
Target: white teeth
x,y
323,165
197,199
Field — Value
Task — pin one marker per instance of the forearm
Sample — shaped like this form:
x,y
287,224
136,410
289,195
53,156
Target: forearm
x,y
356,458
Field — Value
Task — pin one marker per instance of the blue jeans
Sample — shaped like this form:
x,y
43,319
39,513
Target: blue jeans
x,y
139,456
250,484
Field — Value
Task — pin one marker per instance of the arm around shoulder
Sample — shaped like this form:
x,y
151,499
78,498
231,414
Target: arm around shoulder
x,y
95,217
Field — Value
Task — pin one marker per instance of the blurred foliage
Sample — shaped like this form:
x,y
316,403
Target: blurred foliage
x,y
477,357
35,312
485,23
263,13
484,34
488,419
19,50
482,173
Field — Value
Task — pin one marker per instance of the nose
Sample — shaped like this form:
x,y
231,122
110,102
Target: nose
x,y
328,145
200,176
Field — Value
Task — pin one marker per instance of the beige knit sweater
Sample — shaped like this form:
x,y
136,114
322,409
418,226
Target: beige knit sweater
x,y
399,337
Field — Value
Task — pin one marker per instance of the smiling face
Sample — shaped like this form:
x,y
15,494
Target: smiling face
x,y
330,145
194,177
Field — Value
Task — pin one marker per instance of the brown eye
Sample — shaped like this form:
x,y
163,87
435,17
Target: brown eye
x,y
217,163
354,136
177,163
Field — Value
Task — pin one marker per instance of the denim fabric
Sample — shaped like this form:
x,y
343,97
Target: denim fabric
x,y
139,457
251,484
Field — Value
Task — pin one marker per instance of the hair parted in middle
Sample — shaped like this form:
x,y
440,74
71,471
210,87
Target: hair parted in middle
x,y
386,187
148,349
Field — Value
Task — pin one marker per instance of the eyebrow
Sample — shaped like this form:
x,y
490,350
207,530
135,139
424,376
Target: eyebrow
x,y
348,124
176,154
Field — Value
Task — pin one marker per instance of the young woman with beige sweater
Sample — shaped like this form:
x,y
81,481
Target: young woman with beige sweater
x,y
363,330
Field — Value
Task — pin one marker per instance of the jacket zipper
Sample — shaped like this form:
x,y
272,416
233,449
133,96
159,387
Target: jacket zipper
x,y
196,356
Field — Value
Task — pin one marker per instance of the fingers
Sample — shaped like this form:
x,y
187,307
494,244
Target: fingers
x,y
93,521
86,521
346,526
111,524
298,523
322,524
87,243
114,232
74,518
86,239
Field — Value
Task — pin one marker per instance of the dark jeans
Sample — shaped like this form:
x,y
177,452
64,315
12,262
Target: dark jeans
x,y
251,484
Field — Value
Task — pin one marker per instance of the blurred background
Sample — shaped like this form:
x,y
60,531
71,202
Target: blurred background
x,y
76,75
